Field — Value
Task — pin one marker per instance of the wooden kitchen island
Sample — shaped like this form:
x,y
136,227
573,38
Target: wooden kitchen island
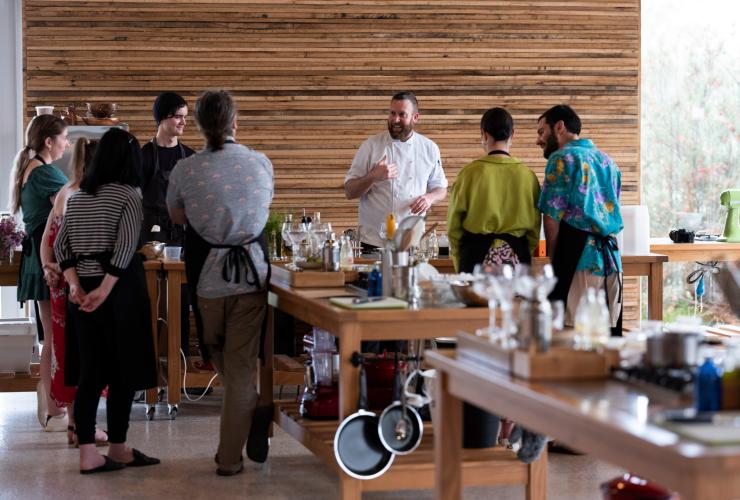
x,y
605,418
495,466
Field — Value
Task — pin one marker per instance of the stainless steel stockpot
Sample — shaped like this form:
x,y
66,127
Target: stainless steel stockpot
x,y
673,349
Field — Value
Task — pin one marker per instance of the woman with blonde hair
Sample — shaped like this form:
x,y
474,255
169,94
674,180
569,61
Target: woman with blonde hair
x,y
35,182
63,393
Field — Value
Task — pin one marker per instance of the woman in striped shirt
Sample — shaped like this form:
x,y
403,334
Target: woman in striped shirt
x,y
108,318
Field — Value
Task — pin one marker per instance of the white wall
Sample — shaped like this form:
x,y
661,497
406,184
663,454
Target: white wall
x,y
11,125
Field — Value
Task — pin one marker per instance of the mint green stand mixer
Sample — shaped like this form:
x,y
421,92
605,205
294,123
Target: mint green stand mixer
x,y
731,200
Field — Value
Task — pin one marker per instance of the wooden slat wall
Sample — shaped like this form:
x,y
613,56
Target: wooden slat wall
x,y
313,78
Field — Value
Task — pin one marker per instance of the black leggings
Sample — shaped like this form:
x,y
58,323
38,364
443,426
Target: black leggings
x,y
118,408
98,368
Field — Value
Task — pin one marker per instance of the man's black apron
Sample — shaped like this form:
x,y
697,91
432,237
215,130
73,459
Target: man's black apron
x,y
568,250
238,258
154,205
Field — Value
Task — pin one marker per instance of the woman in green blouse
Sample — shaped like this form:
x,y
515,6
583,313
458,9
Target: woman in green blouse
x,y
35,184
493,215
493,219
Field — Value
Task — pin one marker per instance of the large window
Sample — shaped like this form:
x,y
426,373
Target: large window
x,y
690,144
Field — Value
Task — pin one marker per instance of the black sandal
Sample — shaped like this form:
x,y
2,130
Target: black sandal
x,y
141,460
109,466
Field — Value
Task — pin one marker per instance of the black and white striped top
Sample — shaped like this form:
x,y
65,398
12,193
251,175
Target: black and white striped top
x,y
107,223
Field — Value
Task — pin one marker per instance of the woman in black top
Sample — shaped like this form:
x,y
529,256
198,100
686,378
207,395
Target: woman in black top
x,y
108,321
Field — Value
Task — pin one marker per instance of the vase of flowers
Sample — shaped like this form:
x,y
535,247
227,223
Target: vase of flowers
x,y
11,236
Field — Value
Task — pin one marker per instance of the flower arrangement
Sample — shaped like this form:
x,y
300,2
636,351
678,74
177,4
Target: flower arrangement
x,y
10,237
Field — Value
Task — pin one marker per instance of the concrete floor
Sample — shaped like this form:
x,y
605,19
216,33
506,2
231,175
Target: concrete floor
x,y
36,464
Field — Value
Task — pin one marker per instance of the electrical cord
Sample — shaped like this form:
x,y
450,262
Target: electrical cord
x,y
185,377
184,361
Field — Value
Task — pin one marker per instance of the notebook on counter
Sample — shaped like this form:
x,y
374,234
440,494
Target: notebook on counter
x,y
372,303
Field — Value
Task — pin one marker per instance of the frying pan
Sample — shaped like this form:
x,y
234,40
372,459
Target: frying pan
x,y
400,427
357,446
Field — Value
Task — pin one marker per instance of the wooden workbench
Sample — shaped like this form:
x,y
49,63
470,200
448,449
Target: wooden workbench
x,y
701,251
649,265
414,471
604,418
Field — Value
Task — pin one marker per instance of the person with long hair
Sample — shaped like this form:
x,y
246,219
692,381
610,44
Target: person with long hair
x,y
223,193
63,394
35,183
108,300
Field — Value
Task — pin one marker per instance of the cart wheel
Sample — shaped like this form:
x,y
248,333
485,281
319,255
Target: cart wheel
x,y
160,395
172,411
150,412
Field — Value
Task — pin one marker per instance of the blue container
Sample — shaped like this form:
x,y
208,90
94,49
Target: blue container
x,y
373,283
708,387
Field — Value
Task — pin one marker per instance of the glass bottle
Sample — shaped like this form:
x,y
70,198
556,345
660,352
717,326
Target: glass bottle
x,y
285,235
374,287
305,219
346,259
433,245
582,338
602,321
444,245
731,379
708,387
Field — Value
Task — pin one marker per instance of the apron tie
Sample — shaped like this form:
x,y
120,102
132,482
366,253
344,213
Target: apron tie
x,y
236,259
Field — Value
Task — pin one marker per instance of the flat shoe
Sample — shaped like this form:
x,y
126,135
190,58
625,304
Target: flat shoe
x,y
57,423
108,466
141,460
224,472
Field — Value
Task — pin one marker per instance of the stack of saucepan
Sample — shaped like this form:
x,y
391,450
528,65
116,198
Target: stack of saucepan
x,y
366,443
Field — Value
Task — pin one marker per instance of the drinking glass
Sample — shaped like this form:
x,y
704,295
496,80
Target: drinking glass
x,y
496,283
285,233
321,230
297,232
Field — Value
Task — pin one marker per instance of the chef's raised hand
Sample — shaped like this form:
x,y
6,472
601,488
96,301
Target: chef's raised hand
x,y
421,204
383,170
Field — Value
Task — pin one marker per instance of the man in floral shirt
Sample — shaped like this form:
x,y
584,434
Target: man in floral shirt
x,y
580,205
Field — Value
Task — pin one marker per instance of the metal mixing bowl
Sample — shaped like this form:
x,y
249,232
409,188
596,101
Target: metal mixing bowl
x,y
464,292
152,250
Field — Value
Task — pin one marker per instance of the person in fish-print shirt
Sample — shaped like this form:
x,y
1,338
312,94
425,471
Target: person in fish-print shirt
x,y
223,193
581,191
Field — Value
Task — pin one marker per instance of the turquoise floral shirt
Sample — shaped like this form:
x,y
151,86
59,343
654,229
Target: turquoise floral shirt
x,y
582,187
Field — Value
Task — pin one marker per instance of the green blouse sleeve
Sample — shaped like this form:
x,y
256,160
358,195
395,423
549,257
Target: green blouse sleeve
x,y
456,211
48,180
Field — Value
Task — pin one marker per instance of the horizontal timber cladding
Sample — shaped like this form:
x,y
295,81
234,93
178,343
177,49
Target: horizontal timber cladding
x,y
313,79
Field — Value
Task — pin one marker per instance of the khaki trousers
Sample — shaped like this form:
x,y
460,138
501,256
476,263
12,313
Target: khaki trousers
x,y
231,330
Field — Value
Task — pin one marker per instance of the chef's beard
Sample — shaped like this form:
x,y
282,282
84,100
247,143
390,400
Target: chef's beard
x,y
550,146
403,134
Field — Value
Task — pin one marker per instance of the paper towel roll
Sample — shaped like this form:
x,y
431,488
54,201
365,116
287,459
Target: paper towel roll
x,y
635,237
